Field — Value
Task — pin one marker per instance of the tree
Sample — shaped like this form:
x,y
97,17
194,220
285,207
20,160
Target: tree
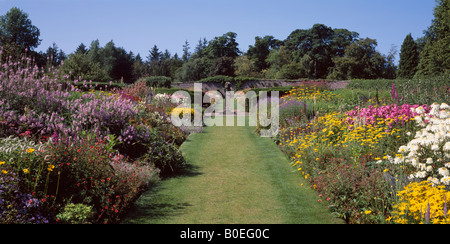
x,y
277,59
260,51
54,55
244,66
81,49
409,58
201,45
17,29
79,64
341,39
154,55
139,69
315,42
361,61
223,46
94,52
435,57
222,66
186,53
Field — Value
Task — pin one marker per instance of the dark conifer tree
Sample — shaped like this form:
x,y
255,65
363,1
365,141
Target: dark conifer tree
x,y
409,58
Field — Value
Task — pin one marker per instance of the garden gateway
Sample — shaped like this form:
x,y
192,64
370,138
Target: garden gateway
x,y
258,109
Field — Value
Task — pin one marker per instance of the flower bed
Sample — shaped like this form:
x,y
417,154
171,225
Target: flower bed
x,y
70,156
358,160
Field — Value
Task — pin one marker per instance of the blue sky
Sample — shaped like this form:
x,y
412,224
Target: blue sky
x,y
137,25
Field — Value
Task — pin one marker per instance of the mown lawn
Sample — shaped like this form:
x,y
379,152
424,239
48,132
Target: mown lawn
x,y
234,176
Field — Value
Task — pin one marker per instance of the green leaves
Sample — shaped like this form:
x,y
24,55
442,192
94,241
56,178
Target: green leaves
x,y
17,29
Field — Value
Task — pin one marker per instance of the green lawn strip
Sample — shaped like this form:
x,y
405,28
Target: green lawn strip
x,y
235,176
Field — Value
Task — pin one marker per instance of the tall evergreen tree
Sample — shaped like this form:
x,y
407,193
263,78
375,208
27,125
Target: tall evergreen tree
x,y
154,55
435,57
81,49
186,53
409,58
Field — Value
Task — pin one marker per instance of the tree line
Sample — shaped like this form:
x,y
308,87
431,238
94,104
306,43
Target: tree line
x,y
320,52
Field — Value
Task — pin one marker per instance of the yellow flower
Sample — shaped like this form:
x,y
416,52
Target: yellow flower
x,y
50,167
367,212
30,150
2,162
26,171
4,171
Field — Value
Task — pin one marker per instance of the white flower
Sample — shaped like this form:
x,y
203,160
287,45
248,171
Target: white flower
x,y
403,149
397,160
418,119
433,180
435,109
429,168
429,161
444,114
435,147
422,166
445,180
421,174
444,106
446,146
443,171
415,162
420,110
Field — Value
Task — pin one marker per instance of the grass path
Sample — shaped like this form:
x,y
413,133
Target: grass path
x,y
235,177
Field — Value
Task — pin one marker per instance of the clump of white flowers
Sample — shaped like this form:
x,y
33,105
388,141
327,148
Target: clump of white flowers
x,y
177,98
429,151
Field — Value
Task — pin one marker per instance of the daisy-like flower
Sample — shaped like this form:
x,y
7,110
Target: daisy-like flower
x,y
445,180
420,110
446,146
403,149
435,147
445,106
443,171
420,174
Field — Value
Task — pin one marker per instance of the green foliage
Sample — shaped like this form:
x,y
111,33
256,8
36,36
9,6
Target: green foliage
x,y
75,214
260,51
435,58
360,61
315,42
79,64
223,46
164,155
244,66
221,79
157,81
17,29
409,58
413,91
291,71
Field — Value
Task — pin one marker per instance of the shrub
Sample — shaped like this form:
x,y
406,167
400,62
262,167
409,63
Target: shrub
x,y
75,214
164,155
157,81
221,79
355,193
